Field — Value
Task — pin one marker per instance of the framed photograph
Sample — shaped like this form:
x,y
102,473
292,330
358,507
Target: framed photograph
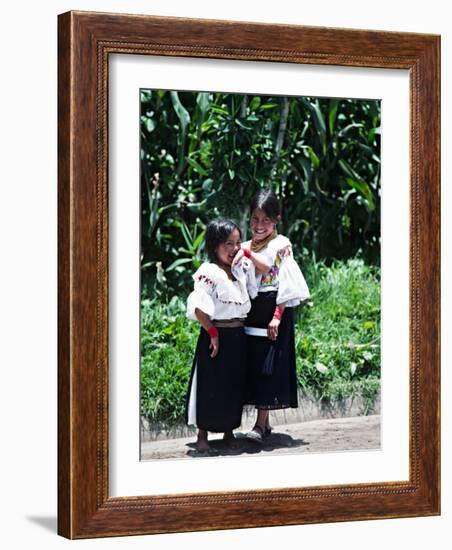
x,y
243,145
177,139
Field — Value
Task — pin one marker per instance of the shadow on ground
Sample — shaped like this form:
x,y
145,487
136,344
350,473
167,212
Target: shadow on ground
x,y
49,523
242,445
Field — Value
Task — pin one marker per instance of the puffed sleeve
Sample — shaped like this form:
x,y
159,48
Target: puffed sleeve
x,y
292,288
201,297
245,273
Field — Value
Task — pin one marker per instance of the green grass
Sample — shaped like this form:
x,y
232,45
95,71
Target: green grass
x,y
338,336
337,341
168,341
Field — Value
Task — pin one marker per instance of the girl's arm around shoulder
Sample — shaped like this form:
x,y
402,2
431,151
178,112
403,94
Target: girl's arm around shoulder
x,y
245,272
261,264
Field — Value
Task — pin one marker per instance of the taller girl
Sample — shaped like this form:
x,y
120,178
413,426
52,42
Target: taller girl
x,y
271,380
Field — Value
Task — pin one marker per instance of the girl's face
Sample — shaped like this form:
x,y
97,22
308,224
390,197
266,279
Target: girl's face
x,y
229,248
261,224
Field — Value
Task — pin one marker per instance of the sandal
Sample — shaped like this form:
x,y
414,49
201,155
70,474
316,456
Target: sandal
x,y
257,434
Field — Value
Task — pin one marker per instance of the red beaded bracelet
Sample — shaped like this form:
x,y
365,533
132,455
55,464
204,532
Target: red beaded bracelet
x,y
213,332
246,252
278,313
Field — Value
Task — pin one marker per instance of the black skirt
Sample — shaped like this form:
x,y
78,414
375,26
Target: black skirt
x,y
216,389
271,381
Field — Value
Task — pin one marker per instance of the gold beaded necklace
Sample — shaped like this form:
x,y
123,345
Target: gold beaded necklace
x,y
257,246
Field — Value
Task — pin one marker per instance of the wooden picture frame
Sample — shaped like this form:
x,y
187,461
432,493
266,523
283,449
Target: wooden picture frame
x,y
85,42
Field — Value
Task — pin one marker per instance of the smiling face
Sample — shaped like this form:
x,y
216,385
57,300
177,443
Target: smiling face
x,y
261,224
229,248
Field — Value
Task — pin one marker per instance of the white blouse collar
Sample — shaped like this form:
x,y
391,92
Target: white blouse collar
x,y
278,242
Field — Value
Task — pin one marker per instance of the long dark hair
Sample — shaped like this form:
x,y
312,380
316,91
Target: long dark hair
x,y
217,232
266,200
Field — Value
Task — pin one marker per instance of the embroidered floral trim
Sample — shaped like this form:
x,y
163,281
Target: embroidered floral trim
x,y
283,253
205,279
271,277
229,301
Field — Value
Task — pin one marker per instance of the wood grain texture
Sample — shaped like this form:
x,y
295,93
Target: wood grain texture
x,y
85,42
64,295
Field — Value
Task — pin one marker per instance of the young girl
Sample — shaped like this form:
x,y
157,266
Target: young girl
x,y
220,302
271,379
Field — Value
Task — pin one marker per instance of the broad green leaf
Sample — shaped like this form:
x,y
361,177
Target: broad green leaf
x,y
349,170
178,262
197,167
255,102
207,184
182,113
307,169
369,150
371,135
148,123
186,234
244,126
218,110
198,240
207,126
145,96
349,127
184,119
332,114
314,158
363,189
197,205
203,100
268,106
319,121
167,207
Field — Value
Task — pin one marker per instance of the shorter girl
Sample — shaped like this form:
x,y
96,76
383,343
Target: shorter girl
x,y
220,302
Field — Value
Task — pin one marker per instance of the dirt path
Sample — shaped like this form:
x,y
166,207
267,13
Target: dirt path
x,y
315,436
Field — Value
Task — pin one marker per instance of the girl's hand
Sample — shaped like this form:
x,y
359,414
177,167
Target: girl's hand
x,y
214,346
237,257
272,329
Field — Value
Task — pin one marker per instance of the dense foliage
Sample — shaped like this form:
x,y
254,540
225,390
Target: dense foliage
x,y
337,341
205,154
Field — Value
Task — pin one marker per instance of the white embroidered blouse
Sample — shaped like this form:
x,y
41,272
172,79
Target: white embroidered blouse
x,y
284,276
220,297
